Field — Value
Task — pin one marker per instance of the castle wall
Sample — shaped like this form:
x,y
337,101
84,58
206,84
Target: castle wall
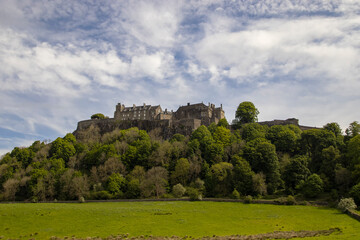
x,y
165,127
288,121
146,117
143,112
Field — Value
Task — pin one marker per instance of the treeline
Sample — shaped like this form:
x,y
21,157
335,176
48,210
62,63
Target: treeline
x,y
214,161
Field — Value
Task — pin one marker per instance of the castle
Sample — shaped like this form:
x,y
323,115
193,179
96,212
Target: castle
x,y
195,114
146,117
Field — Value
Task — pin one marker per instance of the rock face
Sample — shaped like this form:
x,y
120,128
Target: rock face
x,y
151,118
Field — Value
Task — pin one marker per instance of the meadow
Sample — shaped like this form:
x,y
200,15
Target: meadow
x,y
195,219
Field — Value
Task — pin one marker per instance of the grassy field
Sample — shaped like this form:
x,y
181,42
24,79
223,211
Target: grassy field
x,y
43,220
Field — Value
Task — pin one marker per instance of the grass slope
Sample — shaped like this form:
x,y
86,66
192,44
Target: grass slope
x,y
43,220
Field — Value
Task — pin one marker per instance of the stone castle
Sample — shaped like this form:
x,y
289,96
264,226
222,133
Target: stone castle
x,y
194,115
146,117
166,123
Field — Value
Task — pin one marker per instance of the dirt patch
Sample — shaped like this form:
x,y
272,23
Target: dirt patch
x,y
263,236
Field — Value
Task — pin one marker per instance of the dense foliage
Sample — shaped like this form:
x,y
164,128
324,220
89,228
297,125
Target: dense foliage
x,y
214,161
98,116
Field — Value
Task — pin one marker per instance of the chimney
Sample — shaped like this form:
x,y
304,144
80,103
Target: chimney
x,y
188,104
144,105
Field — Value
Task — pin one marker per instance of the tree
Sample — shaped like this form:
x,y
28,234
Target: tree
x,y
251,131
11,186
246,113
353,129
155,182
133,189
116,184
223,123
177,137
222,136
181,172
313,141
263,158
178,190
313,186
259,184
353,151
98,116
334,128
61,148
73,185
242,177
330,158
296,172
355,193
23,155
283,137
219,177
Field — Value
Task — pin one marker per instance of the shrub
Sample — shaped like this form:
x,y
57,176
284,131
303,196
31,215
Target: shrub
x,y
194,194
248,199
290,200
235,194
313,186
347,204
178,190
81,199
98,116
355,193
100,195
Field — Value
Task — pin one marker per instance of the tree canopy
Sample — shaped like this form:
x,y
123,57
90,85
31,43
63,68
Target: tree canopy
x,y
246,113
213,161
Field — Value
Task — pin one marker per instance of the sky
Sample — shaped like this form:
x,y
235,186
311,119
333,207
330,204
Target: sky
x,y
62,61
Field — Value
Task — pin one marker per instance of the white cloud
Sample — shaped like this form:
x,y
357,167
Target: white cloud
x,y
309,48
153,23
157,66
61,61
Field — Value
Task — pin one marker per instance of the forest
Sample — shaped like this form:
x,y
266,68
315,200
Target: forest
x,y
219,161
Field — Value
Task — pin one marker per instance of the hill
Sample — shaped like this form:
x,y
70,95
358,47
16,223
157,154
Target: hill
x,y
213,161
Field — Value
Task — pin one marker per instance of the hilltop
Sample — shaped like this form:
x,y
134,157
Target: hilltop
x,y
214,159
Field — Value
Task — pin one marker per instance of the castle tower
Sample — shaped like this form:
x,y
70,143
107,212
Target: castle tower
x,y
119,108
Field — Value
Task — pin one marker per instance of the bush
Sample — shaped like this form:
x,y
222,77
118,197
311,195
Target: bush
x,y
248,199
178,190
235,194
290,200
98,116
355,193
81,199
193,194
100,195
167,195
347,204
313,186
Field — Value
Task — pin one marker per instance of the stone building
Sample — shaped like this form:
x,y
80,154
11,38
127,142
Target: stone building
x,y
193,114
206,114
143,112
146,117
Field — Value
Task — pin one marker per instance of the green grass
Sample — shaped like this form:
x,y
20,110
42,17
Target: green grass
x,y
43,220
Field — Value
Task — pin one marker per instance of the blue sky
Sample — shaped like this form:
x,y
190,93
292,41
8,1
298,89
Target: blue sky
x,y
62,61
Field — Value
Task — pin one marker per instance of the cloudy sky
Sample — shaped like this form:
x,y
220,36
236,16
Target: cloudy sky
x,y
62,61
